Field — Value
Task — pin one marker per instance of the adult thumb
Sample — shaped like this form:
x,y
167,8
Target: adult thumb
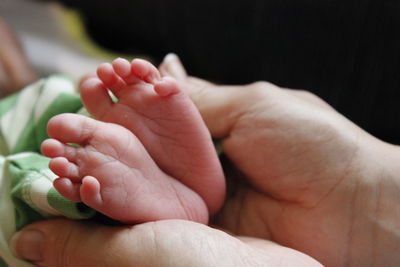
x,y
62,242
66,243
176,243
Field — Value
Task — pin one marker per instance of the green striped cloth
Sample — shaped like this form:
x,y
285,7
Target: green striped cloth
x,y
26,190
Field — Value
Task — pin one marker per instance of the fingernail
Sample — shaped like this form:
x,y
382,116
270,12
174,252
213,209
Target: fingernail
x,y
28,245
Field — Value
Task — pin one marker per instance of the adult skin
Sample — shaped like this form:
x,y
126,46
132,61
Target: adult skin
x,y
314,181
305,177
174,243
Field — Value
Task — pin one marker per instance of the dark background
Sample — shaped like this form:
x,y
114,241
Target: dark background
x,y
347,51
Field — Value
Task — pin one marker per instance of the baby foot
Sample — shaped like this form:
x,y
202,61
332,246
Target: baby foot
x,y
163,118
109,170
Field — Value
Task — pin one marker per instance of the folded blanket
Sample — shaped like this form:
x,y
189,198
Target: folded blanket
x,y
26,190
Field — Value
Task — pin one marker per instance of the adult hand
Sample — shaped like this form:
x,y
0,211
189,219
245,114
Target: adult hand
x,y
165,243
62,242
307,177
15,72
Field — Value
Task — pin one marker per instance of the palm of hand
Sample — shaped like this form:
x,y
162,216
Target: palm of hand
x,y
290,196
